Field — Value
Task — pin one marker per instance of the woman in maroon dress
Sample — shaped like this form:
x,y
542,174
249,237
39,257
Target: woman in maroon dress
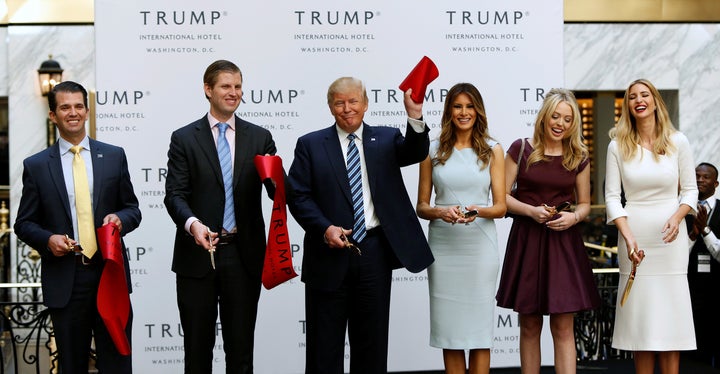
x,y
546,270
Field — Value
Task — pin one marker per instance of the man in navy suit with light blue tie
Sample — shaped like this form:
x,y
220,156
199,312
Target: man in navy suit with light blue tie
x,y
213,195
349,196
49,221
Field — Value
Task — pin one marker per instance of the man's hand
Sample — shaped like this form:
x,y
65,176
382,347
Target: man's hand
x,y
60,245
413,109
699,223
112,217
203,236
335,236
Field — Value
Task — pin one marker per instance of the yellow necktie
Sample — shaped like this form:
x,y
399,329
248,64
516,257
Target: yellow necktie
x,y
86,227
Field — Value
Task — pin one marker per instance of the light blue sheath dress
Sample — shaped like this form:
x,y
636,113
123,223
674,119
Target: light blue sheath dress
x,y
463,278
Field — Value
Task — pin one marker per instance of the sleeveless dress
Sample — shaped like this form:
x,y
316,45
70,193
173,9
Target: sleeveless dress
x,y
545,271
657,315
463,277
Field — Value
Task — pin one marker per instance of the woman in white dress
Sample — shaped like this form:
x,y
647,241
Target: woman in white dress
x,y
464,166
652,163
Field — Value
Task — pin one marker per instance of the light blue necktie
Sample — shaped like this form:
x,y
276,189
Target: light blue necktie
x,y
704,204
223,149
355,178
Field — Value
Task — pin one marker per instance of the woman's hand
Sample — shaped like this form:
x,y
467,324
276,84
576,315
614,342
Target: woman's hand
x,y
540,214
670,230
562,221
453,215
635,254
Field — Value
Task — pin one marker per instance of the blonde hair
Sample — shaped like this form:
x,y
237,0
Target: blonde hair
x,y
345,85
479,136
574,151
625,132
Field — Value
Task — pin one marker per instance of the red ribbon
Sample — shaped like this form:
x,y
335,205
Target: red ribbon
x,y
278,266
113,299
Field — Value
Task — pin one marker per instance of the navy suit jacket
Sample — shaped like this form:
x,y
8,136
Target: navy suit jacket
x,y
194,188
45,210
321,198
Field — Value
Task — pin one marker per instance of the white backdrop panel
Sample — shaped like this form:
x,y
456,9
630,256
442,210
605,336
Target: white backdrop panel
x,y
150,61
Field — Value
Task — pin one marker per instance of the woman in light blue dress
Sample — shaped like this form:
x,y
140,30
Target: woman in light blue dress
x,y
466,169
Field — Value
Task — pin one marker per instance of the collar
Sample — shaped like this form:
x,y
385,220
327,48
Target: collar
x,y
344,134
65,145
214,121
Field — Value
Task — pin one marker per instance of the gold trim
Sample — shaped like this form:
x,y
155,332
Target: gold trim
x,y
642,10
83,11
92,127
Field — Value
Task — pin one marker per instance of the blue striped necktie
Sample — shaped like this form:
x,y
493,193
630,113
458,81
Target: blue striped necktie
x,y
355,178
224,154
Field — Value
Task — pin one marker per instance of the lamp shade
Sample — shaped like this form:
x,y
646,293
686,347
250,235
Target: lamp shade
x,y
49,74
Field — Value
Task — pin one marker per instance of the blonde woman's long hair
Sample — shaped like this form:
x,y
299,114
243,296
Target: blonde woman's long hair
x,y
479,137
574,151
625,132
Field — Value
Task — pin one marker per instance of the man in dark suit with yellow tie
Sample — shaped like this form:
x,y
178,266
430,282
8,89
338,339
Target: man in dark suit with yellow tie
x,y
213,195
704,266
359,225
58,216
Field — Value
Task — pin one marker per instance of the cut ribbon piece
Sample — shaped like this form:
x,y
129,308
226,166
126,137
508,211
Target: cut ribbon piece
x,y
113,298
278,267
419,78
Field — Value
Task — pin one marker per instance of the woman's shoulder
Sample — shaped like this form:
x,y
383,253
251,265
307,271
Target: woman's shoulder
x,y
517,143
678,136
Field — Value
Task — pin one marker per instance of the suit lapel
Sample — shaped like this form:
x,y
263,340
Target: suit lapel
x,y
205,141
714,219
370,150
98,164
243,150
337,160
56,174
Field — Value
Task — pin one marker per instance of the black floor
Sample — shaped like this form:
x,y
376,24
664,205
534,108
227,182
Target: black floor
x,y
607,367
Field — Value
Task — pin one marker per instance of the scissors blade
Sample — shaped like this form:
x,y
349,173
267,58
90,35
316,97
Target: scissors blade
x,y
212,250
629,284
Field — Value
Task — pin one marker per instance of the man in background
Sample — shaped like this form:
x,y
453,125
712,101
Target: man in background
x,y
704,268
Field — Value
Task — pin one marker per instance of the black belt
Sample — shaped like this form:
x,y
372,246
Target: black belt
x,y
81,259
226,238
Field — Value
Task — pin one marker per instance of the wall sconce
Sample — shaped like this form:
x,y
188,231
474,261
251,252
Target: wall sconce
x,y
49,74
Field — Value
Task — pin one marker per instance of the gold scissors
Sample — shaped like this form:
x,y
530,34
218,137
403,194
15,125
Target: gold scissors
x,y
212,249
352,247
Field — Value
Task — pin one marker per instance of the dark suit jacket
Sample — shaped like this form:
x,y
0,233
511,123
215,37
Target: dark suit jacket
x,y
704,286
321,198
194,187
45,210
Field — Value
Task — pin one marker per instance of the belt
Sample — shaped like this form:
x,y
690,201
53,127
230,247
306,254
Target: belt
x,y
226,238
81,259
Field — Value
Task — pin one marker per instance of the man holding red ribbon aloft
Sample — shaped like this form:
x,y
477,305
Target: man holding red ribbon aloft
x,y
350,198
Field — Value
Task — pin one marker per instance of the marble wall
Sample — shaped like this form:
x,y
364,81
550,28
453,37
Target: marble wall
x,y
681,57
27,47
